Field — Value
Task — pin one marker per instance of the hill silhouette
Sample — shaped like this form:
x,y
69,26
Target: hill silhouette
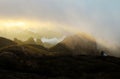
x,y
27,49
30,41
78,44
6,42
18,41
63,61
61,49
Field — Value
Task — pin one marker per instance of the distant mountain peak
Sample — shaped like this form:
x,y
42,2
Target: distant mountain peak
x,y
78,44
30,41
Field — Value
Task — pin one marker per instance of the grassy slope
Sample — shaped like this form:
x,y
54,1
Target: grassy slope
x,y
60,66
6,42
35,62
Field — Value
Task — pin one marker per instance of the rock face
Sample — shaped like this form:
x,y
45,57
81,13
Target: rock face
x,y
78,44
6,42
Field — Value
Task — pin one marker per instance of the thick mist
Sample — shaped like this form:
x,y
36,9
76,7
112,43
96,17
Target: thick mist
x,y
99,18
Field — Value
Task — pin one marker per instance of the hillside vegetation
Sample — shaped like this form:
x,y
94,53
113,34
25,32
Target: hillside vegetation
x,y
33,61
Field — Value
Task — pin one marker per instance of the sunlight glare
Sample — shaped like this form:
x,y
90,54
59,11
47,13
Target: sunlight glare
x,y
12,24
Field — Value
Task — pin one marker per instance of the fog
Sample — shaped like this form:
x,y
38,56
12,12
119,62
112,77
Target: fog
x,y
99,18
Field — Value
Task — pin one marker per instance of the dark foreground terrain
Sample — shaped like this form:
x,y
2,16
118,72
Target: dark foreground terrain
x,y
30,61
58,67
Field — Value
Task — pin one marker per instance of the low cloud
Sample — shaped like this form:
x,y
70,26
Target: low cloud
x,y
99,18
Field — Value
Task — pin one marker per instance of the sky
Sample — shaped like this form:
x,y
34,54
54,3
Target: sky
x,y
97,17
